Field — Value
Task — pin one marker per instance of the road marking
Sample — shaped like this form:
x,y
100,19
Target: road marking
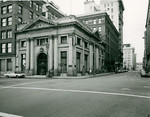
x,y
23,84
8,115
146,86
81,91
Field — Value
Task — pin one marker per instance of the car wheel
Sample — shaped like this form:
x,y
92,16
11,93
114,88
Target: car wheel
x,y
16,76
7,76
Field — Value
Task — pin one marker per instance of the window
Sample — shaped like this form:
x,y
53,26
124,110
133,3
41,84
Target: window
x,y
104,5
86,62
20,20
94,21
78,41
63,39
85,44
20,9
23,43
99,21
86,22
64,61
31,4
23,62
112,10
9,21
3,48
3,22
9,34
94,28
3,34
9,8
37,7
9,65
111,3
78,56
31,15
42,41
4,10
99,29
9,47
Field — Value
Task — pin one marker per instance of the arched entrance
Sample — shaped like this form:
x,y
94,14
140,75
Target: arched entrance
x,y
42,64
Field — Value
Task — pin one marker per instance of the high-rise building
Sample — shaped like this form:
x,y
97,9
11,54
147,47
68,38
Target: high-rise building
x,y
115,9
129,57
100,21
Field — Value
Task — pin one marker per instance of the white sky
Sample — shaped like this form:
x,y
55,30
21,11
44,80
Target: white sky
x,y
134,20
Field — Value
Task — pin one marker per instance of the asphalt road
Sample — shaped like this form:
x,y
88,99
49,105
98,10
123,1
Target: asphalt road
x,y
118,95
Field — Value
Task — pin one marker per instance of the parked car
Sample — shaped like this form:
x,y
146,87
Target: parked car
x,y
144,74
14,75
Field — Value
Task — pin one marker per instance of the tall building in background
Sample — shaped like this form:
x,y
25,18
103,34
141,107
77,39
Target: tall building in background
x,y
100,21
115,9
90,6
146,59
129,57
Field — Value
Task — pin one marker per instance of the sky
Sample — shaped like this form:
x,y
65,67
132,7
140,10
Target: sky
x,y
135,14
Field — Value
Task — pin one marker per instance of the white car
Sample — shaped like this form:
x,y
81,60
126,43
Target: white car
x,y
15,75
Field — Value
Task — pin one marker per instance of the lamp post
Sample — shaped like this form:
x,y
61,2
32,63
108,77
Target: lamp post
x,y
47,47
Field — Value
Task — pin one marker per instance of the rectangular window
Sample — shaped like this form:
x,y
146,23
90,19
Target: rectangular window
x,y
86,62
9,34
9,65
31,15
20,9
23,62
64,61
42,41
63,39
23,43
37,7
78,55
31,3
3,48
3,22
4,10
85,44
9,21
3,34
99,21
78,41
112,10
9,47
99,29
94,21
9,8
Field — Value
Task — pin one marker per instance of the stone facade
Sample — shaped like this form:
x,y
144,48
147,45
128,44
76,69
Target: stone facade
x,y
65,46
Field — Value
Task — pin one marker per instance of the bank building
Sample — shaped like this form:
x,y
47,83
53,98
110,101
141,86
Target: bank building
x,y
62,46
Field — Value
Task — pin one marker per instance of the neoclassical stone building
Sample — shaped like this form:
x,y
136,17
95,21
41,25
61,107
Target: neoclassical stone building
x,y
62,46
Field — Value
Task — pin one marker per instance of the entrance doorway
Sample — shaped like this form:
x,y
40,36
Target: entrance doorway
x,y
42,64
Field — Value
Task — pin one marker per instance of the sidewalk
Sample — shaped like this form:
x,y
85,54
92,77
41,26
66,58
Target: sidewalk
x,y
70,77
66,77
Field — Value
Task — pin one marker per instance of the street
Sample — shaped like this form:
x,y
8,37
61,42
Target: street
x,y
117,95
